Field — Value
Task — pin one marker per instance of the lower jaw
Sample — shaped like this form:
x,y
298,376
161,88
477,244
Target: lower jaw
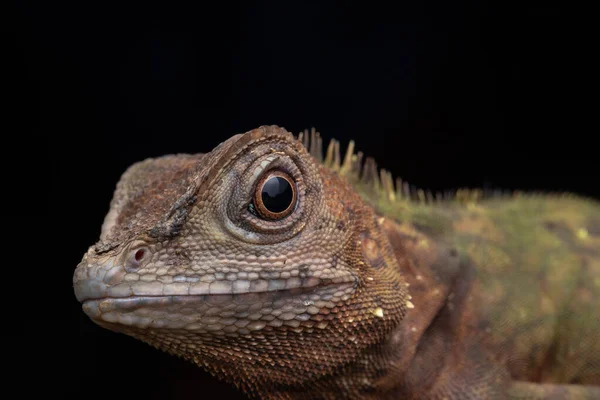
x,y
217,314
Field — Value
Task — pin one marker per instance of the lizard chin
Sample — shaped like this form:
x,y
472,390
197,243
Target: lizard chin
x,y
219,314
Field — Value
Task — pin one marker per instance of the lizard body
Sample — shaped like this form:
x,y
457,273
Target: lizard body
x,y
340,283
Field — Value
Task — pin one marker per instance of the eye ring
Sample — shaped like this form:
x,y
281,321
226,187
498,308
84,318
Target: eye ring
x,y
275,195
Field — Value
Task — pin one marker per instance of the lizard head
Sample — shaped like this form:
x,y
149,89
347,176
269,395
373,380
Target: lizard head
x,y
253,261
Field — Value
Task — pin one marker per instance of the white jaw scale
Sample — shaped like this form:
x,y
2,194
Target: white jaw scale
x,y
224,314
101,281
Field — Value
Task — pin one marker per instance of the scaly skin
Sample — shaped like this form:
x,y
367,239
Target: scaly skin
x,y
363,291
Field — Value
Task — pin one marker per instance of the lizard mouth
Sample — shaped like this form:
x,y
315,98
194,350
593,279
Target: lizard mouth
x,y
204,304
211,311
101,281
93,288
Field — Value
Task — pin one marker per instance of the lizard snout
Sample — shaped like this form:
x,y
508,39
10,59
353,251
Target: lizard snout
x,y
94,280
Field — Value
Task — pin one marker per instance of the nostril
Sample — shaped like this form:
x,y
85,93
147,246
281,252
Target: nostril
x,y
139,255
136,259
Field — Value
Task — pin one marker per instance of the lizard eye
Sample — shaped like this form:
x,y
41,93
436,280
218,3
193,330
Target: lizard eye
x,y
275,195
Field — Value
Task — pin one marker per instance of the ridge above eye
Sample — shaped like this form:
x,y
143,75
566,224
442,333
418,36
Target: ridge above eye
x,y
275,195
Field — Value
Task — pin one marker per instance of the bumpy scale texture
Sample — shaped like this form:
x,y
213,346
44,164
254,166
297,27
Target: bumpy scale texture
x,y
366,289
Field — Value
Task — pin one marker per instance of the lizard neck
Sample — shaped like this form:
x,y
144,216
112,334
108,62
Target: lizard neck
x,y
393,368
413,354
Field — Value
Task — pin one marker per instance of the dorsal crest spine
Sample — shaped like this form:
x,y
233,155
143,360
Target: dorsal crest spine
x,y
379,183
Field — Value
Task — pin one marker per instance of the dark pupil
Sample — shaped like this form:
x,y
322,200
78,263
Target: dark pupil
x,y
277,194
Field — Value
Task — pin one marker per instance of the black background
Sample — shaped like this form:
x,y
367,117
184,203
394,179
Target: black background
x,y
444,94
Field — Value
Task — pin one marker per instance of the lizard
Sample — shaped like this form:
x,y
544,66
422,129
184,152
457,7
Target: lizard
x,y
293,274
